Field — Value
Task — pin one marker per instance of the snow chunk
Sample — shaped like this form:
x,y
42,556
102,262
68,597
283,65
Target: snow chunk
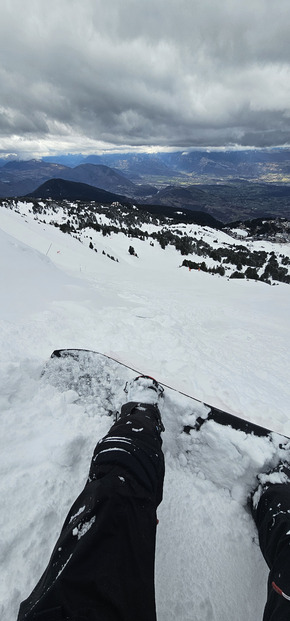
x,y
77,514
80,531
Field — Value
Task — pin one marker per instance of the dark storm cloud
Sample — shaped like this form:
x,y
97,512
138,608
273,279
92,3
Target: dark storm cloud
x,y
78,75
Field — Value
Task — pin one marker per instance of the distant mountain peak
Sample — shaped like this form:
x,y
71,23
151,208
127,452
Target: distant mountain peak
x,y
59,189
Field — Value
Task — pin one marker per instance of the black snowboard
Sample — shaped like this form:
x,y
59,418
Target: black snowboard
x,y
89,372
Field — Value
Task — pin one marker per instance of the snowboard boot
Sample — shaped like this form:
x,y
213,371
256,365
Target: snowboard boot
x,y
279,474
145,391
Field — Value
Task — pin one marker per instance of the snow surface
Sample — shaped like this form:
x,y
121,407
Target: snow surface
x,y
223,341
240,232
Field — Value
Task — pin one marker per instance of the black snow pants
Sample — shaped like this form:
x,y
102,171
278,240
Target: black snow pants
x,y
273,523
102,566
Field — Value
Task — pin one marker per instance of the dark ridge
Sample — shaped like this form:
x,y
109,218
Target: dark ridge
x,y
180,215
59,189
256,221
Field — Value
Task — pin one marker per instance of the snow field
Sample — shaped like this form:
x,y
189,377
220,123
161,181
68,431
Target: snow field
x,y
206,572
214,546
226,342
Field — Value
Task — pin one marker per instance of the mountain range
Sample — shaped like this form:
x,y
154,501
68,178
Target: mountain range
x,y
255,164
18,178
226,185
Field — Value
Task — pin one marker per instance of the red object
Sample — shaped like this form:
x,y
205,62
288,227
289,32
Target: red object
x,y
279,591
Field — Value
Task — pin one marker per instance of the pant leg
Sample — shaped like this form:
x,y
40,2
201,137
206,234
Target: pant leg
x,y
273,523
102,567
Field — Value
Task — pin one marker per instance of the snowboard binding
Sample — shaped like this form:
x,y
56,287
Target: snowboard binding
x,y
145,389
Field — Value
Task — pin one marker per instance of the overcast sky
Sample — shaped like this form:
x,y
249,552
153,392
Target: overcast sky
x,y
87,75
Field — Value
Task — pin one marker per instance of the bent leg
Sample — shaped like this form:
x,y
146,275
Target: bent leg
x,y
273,523
102,567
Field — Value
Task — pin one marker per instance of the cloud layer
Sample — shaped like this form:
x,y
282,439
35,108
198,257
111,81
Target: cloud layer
x,y
82,75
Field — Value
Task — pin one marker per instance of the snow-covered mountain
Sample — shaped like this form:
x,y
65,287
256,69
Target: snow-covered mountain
x,y
66,282
242,251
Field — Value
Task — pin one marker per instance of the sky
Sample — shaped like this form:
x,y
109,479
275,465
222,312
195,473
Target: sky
x,y
95,75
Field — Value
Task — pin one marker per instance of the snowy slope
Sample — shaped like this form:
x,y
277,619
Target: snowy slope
x,y
224,341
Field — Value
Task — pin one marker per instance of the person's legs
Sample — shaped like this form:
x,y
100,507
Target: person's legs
x,y
102,567
271,512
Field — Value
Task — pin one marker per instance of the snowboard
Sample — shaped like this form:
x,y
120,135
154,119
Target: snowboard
x,y
227,449
207,555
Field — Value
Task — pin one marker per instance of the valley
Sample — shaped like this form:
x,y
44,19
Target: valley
x,y
233,185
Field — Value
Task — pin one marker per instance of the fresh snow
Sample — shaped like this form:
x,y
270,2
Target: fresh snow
x,y
240,232
224,341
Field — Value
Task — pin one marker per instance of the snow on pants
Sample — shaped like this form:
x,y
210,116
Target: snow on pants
x,y
273,523
102,566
